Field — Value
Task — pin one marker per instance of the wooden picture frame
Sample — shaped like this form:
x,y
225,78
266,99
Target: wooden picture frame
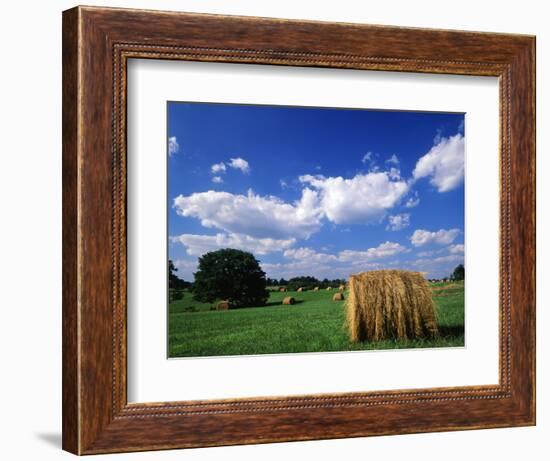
x,y
97,43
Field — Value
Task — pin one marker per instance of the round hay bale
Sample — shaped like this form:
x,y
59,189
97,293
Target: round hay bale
x,y
338,297
282,289
300,289
329,288
388,304
316,289
342,287
289,301
222,306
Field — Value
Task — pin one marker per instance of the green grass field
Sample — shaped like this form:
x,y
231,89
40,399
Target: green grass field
x,y
314,324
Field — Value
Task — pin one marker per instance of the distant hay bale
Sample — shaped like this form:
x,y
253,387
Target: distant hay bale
x,y
282,289
338,297
329,288
289,301
342,287
388,304
222,306
300,289
316,289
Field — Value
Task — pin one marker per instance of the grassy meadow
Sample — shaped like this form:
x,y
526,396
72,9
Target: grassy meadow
x,y
314,324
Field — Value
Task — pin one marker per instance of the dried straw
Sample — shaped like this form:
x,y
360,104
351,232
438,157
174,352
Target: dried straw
x,y
288,301
338,297
222,306
388,304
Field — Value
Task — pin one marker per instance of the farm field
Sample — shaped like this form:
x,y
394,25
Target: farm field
x,y
314,324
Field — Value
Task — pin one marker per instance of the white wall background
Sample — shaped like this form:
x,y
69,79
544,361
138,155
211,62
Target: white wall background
x,y
30,230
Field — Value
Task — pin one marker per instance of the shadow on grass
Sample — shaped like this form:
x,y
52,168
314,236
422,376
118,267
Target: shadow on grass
x,y
451,331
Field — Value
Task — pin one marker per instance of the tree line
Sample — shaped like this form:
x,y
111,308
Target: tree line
x,y
237,277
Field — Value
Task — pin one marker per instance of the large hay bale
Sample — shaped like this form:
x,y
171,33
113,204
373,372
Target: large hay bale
x,y
282,289
338,297
300,289
289,301
316,289
342,287
388,304
222,306
329,288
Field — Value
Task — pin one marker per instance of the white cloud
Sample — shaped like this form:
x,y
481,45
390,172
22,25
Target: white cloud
x,y
217,179
422,237
395,174
456,249
398,221
308,254
173,146
444,163
393,159
240,164
381,251
298,267
413,201
307,261
367,157
186,268
218,168
197,245
254,215
365,198
438,267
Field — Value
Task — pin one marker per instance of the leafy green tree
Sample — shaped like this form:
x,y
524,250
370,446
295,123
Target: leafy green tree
x,y
307,282
458,273
232,275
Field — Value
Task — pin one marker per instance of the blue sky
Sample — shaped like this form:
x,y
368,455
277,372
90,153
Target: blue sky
x,y
316,191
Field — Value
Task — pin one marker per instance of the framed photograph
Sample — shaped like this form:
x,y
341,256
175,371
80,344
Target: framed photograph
x,y
280,230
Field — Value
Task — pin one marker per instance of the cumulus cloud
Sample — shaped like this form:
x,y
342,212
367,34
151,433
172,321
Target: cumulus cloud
x,y
197,245
217,179
253,215
438,267
186,268
393,159
398,222
367,157
308,261
173,146
218,168
381,251
365,198
395,174
413,201
239,164
443,164
422,237
456,249
308,254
